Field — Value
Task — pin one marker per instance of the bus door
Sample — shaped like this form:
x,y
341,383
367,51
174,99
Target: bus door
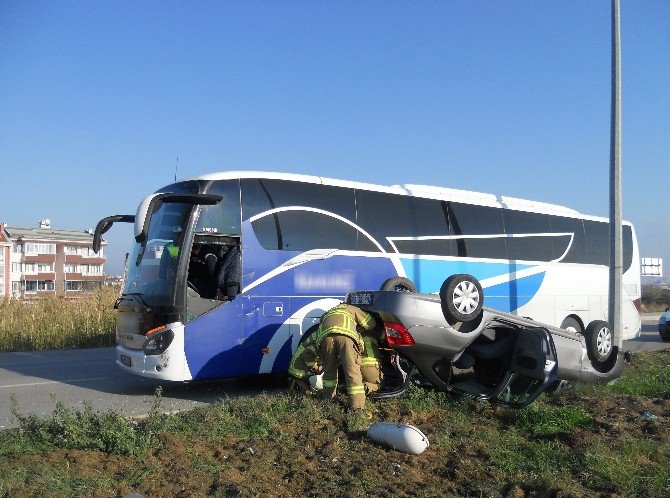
x,y
214,333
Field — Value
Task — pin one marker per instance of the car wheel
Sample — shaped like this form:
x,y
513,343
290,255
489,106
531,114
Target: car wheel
x,y
462,298
572,325
599,341
398,284
665,336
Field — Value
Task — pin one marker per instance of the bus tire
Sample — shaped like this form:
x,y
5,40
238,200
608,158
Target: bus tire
x,y
462,298
572,324
599,341
398,284
309,332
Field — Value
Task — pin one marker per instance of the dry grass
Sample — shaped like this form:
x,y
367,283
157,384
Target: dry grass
x,y
56,323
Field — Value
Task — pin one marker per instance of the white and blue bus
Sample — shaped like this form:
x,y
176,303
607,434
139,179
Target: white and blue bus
x,y
228,270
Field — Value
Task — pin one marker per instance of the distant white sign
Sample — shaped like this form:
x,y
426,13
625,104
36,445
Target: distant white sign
x,y
652,267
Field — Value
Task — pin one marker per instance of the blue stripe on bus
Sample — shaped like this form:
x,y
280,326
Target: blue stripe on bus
x,y
512,295
428,275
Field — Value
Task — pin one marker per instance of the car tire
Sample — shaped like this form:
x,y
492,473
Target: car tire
x,y
665,335
398,284
462,298
599,341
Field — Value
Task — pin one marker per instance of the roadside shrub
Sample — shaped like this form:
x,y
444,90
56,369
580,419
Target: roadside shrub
x,y
654,298
107,431
55,322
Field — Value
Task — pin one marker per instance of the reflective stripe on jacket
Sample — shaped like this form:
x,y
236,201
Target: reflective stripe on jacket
x,y
370,354
343,319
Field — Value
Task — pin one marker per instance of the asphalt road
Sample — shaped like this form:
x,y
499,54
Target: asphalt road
x,y
79,376
91,376
649,337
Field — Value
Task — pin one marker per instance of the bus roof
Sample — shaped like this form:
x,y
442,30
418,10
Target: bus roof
x,y
426,191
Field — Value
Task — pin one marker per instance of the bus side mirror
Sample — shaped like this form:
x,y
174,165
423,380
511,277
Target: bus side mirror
x,y
105,224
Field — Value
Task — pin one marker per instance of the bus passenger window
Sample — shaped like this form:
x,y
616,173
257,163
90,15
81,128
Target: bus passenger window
x,y
574,226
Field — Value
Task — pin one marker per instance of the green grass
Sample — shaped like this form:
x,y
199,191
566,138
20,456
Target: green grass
x,y
648,376
639,466
108,431
544,421
56,323
556,445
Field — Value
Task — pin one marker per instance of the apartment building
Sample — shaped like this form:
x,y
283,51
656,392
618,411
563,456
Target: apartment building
x,y
45,261
5,252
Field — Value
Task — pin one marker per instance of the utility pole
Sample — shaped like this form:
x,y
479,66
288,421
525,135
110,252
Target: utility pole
x,y
615,183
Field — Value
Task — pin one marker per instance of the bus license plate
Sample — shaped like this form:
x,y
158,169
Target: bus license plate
x,y
360,298
126,360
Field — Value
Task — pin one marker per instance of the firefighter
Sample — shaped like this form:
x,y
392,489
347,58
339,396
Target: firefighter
x,y
370,361
305,363
336,342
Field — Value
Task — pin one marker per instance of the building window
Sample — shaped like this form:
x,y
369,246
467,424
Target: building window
x,y
70,268
17,248
16,267
31,286
87,252
43,268
71,250
45,285
73,285
40,248
16,287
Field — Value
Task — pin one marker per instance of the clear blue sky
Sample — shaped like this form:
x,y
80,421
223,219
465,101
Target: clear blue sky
x,y
98,99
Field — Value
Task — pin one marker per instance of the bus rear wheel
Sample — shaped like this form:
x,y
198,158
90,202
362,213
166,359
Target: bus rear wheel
x,y
572,325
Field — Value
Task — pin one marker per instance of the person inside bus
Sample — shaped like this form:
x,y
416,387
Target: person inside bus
x,y
230,275
201,271
168,263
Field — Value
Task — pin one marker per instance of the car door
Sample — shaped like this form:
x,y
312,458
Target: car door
x,y
532,368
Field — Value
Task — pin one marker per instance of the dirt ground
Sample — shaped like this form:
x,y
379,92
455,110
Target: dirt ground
x,y
327,458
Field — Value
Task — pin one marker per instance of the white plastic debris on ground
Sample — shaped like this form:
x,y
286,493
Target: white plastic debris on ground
x,y
401,437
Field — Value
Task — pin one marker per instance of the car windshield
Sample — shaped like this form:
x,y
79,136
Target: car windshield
x,y
152,265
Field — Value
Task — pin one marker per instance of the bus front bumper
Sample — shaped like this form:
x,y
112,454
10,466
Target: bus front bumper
x,y
169,365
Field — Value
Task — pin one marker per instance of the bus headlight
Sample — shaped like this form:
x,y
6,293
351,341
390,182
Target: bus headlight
x,y
158,343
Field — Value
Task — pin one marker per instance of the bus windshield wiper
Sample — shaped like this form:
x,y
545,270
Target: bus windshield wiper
x,y
137,294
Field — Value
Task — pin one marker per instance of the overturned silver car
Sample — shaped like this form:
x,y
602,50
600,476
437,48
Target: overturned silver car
x,y
456,344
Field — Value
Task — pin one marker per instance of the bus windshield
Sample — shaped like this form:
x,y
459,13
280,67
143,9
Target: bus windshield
x,y
152,264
